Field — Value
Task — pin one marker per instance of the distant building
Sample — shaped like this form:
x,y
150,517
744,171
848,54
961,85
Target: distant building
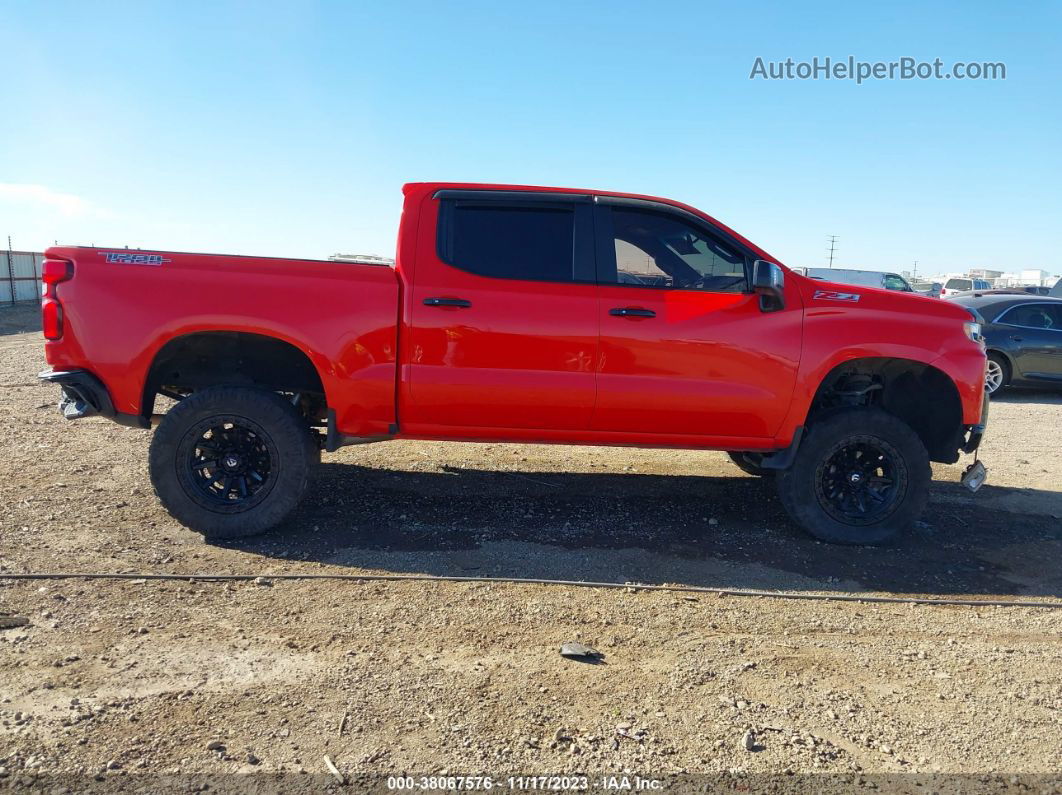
x,y
1035,277
984,273
1027,278
362,259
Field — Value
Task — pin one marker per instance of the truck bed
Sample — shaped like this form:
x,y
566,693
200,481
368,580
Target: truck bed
x,y
342,315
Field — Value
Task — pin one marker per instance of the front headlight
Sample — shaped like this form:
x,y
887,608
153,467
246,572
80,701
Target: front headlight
x,y
973,331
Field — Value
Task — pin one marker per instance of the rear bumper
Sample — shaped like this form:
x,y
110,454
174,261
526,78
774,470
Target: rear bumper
x,y
84,395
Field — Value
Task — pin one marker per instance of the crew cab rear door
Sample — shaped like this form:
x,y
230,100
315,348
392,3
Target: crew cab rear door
x,y
503,327
685,345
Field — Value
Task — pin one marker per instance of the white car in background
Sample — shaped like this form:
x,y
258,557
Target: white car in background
x,y
954,288
880,279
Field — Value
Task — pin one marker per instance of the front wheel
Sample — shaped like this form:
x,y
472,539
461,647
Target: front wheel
x,y
861,476
230,462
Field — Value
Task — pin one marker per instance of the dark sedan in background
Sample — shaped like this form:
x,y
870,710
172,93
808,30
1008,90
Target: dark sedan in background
x,y
1023,337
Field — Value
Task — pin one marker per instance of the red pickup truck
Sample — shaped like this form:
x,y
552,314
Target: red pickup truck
x,y
518,314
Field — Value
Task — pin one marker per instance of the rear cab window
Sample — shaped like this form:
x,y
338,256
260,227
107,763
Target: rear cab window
x,y
958,284
509,239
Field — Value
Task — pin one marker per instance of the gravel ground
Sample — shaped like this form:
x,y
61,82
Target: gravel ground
x,y
114,685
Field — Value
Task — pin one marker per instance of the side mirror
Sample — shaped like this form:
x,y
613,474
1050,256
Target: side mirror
x,y
768,281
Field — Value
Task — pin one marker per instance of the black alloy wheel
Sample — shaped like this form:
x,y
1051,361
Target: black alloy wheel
x,y
230,462
862,481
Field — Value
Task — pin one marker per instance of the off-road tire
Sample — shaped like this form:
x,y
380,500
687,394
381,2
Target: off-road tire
x,y
804,487
280,435
748,467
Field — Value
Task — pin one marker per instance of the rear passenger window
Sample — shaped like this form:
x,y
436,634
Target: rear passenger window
x,y
509,241
1046,316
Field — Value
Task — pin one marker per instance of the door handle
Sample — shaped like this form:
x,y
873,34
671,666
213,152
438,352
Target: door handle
x,y
1015,337
629,311
460,303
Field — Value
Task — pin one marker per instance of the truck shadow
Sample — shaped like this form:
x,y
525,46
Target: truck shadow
x,y
705,531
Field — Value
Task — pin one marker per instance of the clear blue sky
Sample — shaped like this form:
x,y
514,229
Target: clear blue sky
x,y
288,128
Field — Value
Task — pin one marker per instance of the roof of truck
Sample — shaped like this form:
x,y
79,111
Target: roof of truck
x,y
430,188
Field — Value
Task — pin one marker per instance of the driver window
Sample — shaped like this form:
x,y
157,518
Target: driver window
x,y
894,282
656,249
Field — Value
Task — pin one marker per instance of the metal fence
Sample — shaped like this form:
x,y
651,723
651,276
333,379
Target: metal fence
x,y
20,276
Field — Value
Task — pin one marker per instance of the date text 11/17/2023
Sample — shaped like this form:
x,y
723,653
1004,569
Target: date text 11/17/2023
x,y
616,783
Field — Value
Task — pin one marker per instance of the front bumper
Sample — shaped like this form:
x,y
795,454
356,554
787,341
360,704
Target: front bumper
x,y
974,433
84,395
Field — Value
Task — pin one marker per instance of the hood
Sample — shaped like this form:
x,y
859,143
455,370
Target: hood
x,y
821,294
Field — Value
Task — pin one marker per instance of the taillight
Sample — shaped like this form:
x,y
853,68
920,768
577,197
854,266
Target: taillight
x,y
51,319
53,271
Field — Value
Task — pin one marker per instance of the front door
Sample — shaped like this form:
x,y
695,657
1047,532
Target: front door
x,y
685,346
503,315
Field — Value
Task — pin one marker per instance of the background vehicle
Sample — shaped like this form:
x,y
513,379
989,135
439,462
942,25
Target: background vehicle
x,y
928,289
953,288
1037,290
1056,291
1023,338
507,317
880,279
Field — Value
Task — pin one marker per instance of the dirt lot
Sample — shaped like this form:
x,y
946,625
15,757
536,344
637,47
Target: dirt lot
x,y
115,683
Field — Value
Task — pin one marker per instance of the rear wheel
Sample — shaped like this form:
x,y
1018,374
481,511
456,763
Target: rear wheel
x,y
230,462
861,476
997,373
748,462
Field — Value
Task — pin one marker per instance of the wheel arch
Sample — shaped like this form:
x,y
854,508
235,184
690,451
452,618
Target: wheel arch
x,y
920,394
201,358
1005,356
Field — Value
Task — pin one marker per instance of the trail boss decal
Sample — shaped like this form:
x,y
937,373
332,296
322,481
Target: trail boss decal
x,y
833,295
127,258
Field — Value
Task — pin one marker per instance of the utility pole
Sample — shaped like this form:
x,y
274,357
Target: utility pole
x,y
915,271
833,247
10,270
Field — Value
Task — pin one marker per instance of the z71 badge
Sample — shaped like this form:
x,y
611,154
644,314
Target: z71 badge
x,y
128,258
833,295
